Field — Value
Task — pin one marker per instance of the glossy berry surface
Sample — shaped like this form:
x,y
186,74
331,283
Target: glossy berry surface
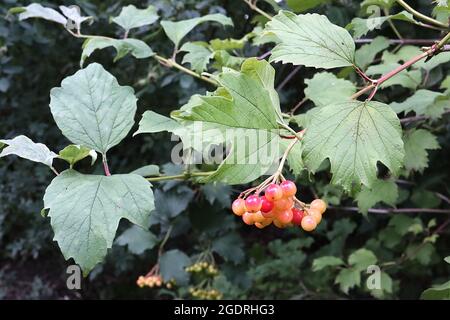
x,y
285,216
319,205
308,223
315,214
266,205
297,216
248,218
273,192
238,207
288,188
253,203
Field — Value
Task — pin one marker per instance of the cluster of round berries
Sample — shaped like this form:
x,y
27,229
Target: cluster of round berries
x,y
205,294
204,267
280,207
151,281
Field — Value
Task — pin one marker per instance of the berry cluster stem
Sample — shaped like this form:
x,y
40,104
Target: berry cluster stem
x,y
421,16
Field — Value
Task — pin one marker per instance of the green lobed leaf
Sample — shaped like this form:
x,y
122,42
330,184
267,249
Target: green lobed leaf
x,y
348,278
310,40
381,191
138,48
153,122
247,105
85,211
325,88
25,148
354,136
36,10
131,17
198,56
361,259
172,265
92,109
325,262
417,142
176,31
137,240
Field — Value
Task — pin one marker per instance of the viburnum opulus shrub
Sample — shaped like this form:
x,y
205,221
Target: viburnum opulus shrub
x,y
348,128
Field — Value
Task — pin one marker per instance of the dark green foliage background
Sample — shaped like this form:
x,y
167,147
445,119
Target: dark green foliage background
x,y
36,55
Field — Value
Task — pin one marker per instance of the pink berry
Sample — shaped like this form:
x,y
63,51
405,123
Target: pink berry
x,y
253,203
273,192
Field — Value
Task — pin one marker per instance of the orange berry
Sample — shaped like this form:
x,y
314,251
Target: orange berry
x,y
309,223
289,188
238,207
258,217
283,204
319,204
259,225
278,224
248,218
273,192
315,214
285,216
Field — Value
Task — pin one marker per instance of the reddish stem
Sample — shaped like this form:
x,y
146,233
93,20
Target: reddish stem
x,y
105,166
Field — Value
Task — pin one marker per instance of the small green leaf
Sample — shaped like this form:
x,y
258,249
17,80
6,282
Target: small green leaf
x,y
227,44
304,5
130,17
198,56
310,40
439,292
73,13
326,261
25,148
176,31
74,153
139,49
137,239
153,122
381,191
417,142
85,211
92,109
229,247
354,136
361,26
36,10
325,88
172,265
147,171
385,286
347,279
447,259
419,102
361,259
366,54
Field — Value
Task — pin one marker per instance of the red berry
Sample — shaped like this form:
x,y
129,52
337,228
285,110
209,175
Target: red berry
x,y
253,203
297,216
238,207
289,188
273,192
266,205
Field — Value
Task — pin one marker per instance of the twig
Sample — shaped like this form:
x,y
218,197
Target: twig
x,y
298,105
401,41
392,25
288,78
264,55
419,118
163,243
254,7
183,176
393,210
421,16
54,170
105,166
